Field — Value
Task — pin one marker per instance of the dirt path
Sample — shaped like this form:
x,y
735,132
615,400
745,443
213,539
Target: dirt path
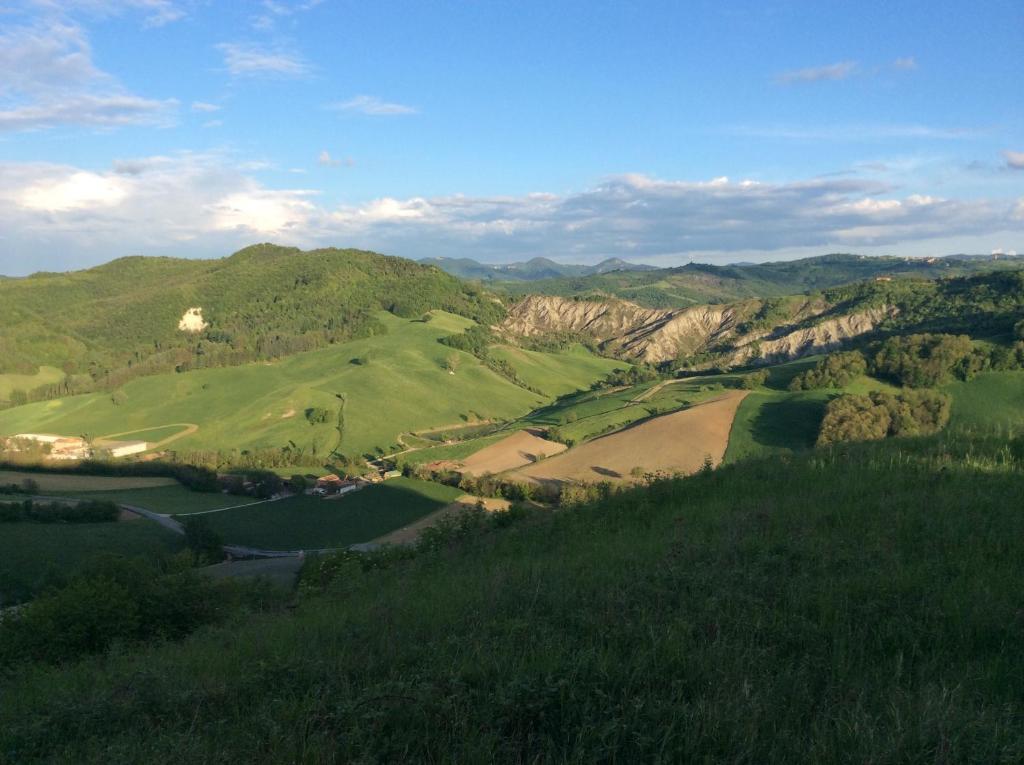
x,y
189,429
677,442
654,389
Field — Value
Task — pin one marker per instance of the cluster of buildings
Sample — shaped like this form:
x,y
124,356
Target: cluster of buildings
x,y
333,486
59,447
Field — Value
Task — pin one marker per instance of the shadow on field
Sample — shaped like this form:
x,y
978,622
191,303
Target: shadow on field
x,y
792,423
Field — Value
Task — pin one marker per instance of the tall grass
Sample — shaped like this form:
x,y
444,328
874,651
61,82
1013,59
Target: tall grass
x,y
856,604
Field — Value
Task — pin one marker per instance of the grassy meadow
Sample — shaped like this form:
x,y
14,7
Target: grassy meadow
x,y
557,373
860,604
11,382
310,523
399,387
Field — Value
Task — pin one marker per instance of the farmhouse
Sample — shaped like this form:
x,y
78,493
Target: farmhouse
x,y
61,447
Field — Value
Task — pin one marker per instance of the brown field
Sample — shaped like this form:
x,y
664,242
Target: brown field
x,y
676,442
409,534
521,448
72,482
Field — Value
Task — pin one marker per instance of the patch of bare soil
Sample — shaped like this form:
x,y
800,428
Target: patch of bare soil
x,y
524,447
677,442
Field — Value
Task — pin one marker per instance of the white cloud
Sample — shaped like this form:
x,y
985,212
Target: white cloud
x,y
208,204
1014,159
247,59
905,63
203,106
48,79
80,190
838,71
327,160
372,105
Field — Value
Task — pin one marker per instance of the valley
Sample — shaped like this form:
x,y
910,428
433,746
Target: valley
x,y
568,433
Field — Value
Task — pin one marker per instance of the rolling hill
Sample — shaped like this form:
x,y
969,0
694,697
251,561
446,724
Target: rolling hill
x,y
390,383
530,270
771,330
859,603
135,316
698,283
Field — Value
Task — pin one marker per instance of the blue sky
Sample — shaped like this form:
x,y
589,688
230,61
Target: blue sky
x,y
653,131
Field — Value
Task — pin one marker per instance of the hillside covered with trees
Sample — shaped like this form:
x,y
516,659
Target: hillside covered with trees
x,y
109,324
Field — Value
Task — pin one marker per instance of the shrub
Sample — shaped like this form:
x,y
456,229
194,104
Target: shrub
x,y
837,370
922,361
873,417
754,379
115,600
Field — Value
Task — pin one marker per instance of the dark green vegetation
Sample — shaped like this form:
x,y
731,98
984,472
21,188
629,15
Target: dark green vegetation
x,y
308,523
36,511
837,370
864,418
118,601
860,604
34,557
110,324
699,283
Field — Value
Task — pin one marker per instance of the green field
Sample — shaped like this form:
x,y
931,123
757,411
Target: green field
x,y
165,499
402,388
455,452
993,400
12,382
310,523
34,554
558,373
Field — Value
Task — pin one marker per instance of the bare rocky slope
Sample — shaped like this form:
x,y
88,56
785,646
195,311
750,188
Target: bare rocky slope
x,y
635,333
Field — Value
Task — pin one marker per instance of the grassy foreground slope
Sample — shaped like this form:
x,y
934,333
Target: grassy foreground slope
x,y
399,385
854,605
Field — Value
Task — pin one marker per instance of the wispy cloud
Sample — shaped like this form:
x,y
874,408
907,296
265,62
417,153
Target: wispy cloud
x,y
249,59
156,13
857,132
203,106
372,105
326,160
838,71
275,10
905,63
1014,159
48,78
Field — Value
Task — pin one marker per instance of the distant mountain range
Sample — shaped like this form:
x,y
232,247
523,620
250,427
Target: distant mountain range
x,y
702,283
530,270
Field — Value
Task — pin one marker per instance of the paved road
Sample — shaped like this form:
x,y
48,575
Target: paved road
x,y
236,551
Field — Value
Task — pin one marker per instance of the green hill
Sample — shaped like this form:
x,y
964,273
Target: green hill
x,y
858,604
390,383
109,324
699,283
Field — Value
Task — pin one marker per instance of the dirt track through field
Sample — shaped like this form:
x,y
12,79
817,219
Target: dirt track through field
x,y
189,429
674,442
523,447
